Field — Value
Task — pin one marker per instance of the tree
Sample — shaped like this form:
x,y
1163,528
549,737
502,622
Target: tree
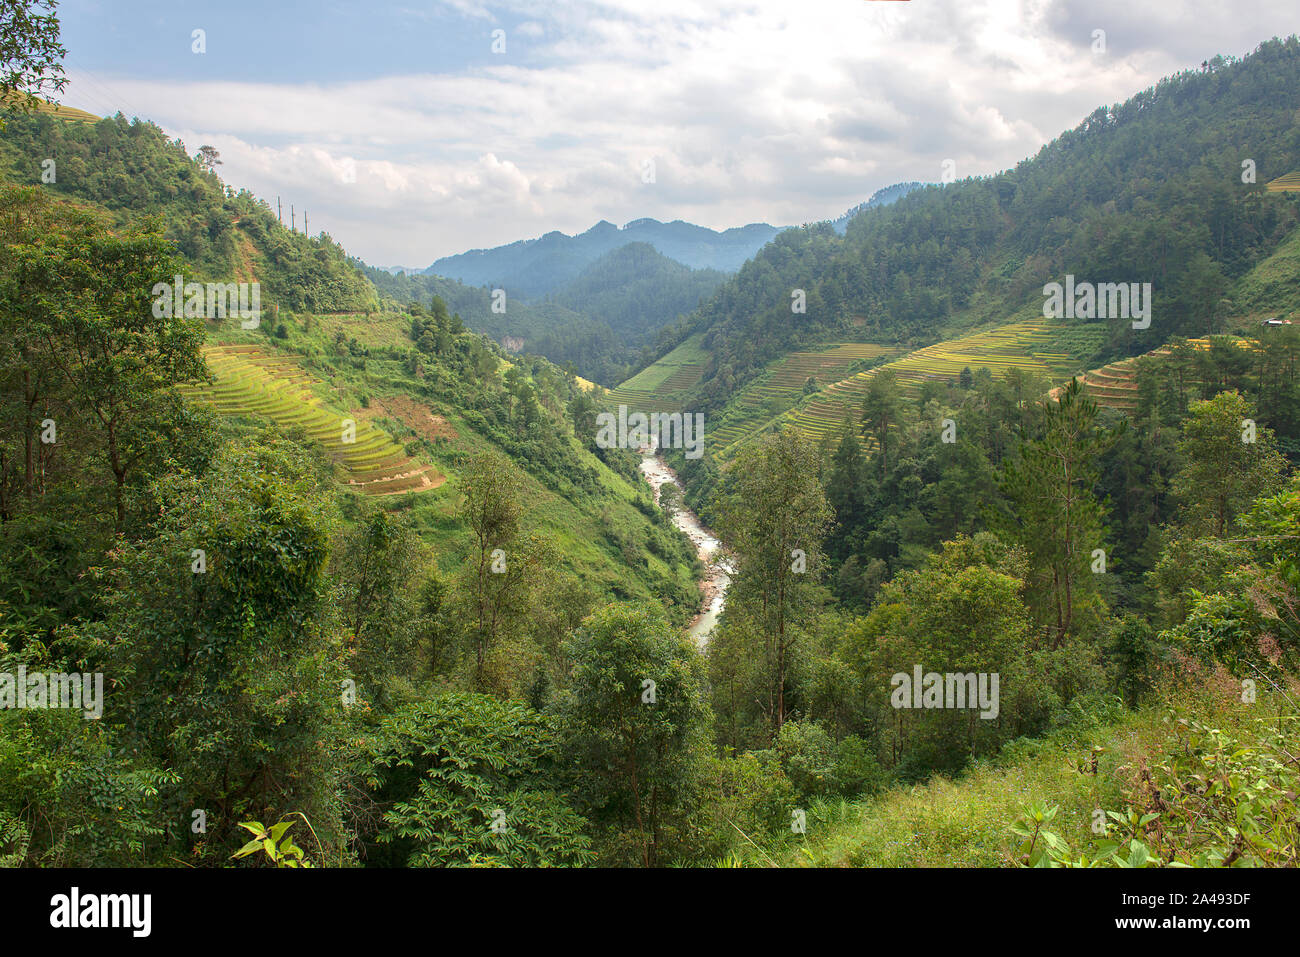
x,y
28,379
773,515
375,569
1055,514
208,159
492,509
882,408
844,486
1229,461
501,585
216,636
100,330
961,614
637,723
463,779
29,52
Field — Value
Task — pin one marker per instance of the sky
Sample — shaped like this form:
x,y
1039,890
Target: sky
x,y
412,130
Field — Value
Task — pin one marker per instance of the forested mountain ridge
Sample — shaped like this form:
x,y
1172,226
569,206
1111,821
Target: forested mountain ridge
x,y
881,197
1166,188
636,290
131,170
599,321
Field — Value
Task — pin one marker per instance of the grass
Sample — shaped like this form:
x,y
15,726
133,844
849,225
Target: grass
x,y
963,822
379,329
1270,288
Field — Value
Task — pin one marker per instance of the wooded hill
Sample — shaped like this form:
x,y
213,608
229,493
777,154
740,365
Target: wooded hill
x,y
602,321
1168,187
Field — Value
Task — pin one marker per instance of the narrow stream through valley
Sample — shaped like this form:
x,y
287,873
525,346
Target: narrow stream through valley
x,y
717,569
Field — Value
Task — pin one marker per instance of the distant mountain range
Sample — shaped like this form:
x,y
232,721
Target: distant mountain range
x,y
599,299
534,267
530,268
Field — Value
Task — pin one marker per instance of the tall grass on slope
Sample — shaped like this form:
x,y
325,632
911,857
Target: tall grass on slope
x,y
1096,761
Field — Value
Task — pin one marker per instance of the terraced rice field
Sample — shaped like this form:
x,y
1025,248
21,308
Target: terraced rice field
x,y
63,112
769,395
1115,386
254,380
1023,345
1284,184
658,387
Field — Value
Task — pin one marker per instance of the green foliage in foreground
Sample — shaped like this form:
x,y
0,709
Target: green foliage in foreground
x,y
462,779
1195,778
1215,798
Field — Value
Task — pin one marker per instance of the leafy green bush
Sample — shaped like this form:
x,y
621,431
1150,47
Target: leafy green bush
x,y
461,779
807,756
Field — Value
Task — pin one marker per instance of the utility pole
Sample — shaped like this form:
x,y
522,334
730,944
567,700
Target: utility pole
x,y
279,218
305,230
293,219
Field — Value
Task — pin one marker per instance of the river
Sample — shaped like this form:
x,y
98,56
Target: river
x,y
717,568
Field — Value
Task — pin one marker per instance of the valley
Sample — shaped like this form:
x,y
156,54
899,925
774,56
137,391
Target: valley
x,y
390,578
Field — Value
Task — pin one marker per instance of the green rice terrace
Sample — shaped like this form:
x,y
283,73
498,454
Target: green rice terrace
x,y
1114,386
783,383
661,387
255,380
840,373
1037,346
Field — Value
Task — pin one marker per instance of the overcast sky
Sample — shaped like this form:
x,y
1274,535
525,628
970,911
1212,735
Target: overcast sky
x,y
406,137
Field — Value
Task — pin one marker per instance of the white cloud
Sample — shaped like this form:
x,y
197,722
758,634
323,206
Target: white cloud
x,y
751,109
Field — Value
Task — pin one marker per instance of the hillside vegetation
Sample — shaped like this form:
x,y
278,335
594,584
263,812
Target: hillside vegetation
x,y
600,323
1149,190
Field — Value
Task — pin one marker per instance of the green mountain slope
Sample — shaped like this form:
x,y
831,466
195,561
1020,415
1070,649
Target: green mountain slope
x,y
1147,191
131,170
422,393
636,291
601,321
